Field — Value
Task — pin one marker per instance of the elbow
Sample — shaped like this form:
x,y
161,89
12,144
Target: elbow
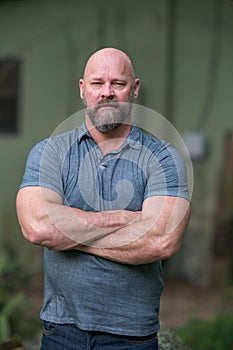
x,y
42,234
169,250
168,253
35,233
32,237
163,248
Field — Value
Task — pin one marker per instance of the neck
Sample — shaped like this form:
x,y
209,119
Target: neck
x,y
110,140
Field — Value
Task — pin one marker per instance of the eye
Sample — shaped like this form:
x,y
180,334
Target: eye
x,y
119,83
96,83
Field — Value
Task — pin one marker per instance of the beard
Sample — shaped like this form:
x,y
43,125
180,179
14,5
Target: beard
x,y
110,118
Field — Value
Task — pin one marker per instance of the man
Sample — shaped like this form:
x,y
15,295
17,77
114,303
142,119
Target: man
x,y
108,203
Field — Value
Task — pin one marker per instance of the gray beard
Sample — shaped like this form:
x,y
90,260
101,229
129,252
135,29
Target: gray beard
x,y
109,119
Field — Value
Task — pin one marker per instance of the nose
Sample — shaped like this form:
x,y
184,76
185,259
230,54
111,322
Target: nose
x,y
107,91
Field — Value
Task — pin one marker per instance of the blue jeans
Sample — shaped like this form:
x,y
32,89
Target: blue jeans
x,y
69,337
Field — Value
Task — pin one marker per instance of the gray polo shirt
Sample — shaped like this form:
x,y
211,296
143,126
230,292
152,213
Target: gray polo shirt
x,y
89,291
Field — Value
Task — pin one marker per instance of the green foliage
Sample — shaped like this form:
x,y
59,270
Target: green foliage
x,y
169,340
13,278
9,307
215,334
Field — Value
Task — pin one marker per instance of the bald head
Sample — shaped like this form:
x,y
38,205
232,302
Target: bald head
x,y
108,56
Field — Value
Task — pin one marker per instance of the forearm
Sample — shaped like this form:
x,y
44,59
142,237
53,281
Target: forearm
x,y
152,238
84,227
47,222
114,247
138,243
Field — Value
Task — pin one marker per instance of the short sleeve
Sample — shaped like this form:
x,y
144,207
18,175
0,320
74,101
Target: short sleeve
x,y
43,167
167,175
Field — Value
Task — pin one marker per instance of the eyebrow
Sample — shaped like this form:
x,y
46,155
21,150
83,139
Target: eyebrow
x,y
95,78
101,79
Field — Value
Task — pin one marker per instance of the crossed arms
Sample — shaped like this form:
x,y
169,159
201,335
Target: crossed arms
x,y
152,234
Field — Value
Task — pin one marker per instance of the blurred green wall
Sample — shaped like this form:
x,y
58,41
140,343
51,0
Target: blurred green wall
x,y
182,51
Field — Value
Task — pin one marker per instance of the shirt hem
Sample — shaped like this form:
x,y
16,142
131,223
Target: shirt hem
x,y
93,328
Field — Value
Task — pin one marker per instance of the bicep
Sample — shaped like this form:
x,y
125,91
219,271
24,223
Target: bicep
x,y
43,168
31,204
167,175
36,217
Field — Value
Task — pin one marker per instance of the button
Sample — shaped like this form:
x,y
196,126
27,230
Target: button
x,y
103,166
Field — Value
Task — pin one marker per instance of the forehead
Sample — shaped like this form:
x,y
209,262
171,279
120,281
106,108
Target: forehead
x,y
108,66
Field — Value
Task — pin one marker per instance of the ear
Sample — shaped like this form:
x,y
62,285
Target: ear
x,y
136,87
81,86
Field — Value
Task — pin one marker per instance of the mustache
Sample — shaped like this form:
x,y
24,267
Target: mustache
x,y
104,103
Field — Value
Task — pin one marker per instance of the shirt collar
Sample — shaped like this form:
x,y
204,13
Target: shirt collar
x,y
133,139
83,133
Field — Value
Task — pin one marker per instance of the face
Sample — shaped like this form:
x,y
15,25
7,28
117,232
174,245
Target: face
x,y
108,89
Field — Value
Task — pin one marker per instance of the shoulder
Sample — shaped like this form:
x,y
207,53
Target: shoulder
x,y
59,144
158,148
149,140
160,151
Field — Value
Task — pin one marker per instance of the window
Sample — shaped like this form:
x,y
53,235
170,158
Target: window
x,y
9,91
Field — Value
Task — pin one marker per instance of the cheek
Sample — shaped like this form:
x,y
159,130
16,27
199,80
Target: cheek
x,y
90,97
123,96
